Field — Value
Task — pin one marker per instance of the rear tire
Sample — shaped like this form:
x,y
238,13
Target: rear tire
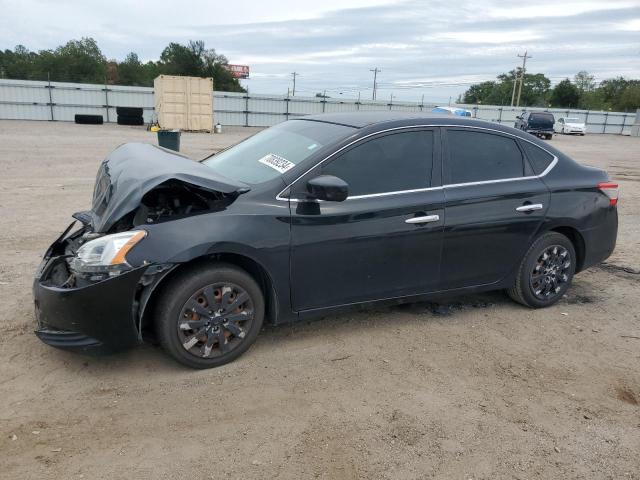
x,y
210,315
546,271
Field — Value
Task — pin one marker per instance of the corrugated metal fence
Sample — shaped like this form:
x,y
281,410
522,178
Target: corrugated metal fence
x,y
37,100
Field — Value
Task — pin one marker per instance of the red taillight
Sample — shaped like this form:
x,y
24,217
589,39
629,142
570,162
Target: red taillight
x,y
610,189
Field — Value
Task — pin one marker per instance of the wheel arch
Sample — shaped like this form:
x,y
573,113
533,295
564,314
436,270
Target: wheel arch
x,y
577,241
254,268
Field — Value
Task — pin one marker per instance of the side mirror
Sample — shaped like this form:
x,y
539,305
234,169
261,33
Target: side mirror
x,y
518,117
329,188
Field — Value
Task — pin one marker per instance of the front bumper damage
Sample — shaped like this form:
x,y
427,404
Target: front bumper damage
x,y
99,317
96,317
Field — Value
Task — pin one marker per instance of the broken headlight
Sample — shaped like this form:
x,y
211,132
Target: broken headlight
x,y
106,255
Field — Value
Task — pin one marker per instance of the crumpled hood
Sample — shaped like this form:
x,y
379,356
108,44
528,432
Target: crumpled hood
x,y
133,169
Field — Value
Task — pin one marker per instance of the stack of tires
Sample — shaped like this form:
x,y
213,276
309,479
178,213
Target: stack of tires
x,y
89,119
129,116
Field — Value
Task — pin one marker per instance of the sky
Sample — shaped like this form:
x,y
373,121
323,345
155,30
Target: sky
x,y
430,48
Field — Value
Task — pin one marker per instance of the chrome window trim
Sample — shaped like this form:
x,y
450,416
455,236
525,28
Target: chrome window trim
x,y
452,185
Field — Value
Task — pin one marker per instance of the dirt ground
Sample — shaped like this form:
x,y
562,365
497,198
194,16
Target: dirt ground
x,y
477,387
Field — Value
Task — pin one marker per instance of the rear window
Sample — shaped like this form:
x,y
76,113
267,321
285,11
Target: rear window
x,y
541,118
538,158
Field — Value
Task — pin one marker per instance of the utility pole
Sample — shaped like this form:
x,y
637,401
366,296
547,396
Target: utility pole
x,y
515,82
375,77
524,69
294,75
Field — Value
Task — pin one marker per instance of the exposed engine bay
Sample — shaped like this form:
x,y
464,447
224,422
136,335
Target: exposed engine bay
x,y
136,185
168,201
173,200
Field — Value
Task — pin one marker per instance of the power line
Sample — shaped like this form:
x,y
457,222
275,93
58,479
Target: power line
x,y
375,76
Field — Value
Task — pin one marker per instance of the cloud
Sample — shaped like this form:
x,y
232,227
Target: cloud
x,y
422,47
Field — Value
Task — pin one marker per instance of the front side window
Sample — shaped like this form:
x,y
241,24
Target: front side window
x,y
392,163
477,156
275,150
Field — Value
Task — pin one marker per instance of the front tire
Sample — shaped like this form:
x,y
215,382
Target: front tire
x,y
210,315
546,271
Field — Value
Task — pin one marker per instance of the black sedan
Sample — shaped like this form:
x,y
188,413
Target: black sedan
x,y
315,215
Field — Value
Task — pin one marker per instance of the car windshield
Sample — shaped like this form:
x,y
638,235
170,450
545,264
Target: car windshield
x,y
572,120
275,150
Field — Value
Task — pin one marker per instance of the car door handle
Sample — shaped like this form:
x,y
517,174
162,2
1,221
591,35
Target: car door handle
x,y
530,207
425,219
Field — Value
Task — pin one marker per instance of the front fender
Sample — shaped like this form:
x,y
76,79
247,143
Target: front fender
x,y
261,238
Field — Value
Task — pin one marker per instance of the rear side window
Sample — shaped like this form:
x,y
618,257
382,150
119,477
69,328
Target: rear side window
x,y
538,158
401,161
478,156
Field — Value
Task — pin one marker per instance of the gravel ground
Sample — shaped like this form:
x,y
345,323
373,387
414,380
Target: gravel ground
x,y
476,387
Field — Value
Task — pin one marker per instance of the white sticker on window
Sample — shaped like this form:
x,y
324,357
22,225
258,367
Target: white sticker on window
x,y
277,162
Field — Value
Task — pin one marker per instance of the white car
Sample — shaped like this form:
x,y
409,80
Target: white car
x,y
570,125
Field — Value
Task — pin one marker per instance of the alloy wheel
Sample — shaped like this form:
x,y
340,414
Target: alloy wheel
x,y
550,272
215,320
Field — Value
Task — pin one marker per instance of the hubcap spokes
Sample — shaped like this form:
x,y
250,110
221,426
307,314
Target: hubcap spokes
x,y
215,320
551,272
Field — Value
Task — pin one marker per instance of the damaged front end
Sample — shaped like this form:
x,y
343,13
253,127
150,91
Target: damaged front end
x,y
88,297
81,305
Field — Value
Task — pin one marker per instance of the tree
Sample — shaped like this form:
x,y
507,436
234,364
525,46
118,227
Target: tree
x,y
18,63
113,77
584,81
480,93
216,66
591,100
132,72
196,60
565,94
630,98
534,90
614,93
80,61
178,59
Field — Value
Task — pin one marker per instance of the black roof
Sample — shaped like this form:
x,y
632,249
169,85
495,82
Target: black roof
x,y
365,118
371,121
362,119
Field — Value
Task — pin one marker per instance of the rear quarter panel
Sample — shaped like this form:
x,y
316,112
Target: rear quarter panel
x,y
577,202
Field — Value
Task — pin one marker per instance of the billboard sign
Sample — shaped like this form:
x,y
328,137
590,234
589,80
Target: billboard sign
x,y
239,71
